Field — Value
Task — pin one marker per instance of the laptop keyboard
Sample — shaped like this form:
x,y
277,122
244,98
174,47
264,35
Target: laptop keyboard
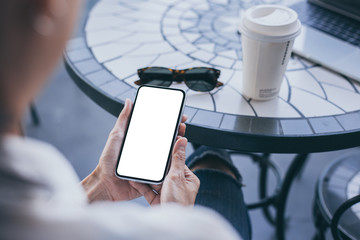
x,y
327,21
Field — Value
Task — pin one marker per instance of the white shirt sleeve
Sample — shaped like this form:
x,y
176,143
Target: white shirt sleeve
x,y
40,198
171,221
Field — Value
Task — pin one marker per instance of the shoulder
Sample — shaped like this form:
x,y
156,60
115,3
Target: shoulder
x,y
17,146
25,155
38,164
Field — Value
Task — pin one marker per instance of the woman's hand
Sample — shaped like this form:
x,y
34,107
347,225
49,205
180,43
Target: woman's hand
x,y
102,184
180,185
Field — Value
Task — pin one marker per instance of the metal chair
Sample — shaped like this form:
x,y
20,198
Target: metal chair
x,y
337,194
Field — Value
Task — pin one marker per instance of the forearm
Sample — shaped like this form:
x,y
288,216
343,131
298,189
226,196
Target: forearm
x,y
94,187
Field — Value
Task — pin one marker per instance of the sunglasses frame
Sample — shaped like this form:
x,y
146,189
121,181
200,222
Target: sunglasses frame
x,y
178,73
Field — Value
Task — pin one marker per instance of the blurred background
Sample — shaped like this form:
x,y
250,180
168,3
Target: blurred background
x,y
79,128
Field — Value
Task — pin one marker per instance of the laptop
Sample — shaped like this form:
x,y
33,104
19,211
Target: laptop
x,y
330,34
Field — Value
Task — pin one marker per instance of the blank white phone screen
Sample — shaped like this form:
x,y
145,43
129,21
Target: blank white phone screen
x,y
150,133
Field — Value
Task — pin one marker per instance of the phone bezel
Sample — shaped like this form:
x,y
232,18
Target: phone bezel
x,y
148,181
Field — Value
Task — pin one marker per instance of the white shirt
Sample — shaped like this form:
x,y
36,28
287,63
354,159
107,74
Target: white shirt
x,y
41,198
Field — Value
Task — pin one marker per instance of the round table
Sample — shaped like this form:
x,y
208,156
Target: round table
x,y
317,109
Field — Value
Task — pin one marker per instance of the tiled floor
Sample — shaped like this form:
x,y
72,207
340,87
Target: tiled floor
x,y
79,128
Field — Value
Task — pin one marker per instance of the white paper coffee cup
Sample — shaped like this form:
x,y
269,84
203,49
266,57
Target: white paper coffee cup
x,y
267,33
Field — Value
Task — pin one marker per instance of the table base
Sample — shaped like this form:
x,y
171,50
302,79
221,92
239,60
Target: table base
x,y
279,199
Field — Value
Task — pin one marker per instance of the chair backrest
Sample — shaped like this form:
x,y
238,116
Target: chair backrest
x,y
339,213
338,193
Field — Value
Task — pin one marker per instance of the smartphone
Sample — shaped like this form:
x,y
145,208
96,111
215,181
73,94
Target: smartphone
x,y
149,139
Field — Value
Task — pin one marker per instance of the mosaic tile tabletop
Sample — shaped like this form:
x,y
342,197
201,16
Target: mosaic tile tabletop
x,y
121,36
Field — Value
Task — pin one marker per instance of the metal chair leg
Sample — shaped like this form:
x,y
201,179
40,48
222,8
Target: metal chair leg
x,y
320,224
319,236
301,171
263,188
265,201
290,175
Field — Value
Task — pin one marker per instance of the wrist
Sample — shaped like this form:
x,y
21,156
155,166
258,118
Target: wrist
x,y
94,187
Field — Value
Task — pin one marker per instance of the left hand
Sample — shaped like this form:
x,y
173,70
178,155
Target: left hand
x,y
180,186
102,184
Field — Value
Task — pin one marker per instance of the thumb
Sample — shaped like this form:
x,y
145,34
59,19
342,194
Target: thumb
x,y
122,121
179,155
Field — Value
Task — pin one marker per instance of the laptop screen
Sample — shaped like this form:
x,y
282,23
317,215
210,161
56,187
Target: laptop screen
x,y
350,8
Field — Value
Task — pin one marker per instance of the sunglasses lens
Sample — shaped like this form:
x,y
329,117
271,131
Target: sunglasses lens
x,y
157,76
201,79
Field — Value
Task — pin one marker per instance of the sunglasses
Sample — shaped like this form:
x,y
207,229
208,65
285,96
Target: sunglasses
x,y
199,79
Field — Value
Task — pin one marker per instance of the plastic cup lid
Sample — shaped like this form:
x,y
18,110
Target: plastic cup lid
x,y
270,23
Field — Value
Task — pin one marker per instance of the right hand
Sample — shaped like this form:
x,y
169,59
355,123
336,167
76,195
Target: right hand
x,y
181,185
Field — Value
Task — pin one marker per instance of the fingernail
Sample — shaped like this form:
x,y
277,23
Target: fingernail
x,y
182,143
